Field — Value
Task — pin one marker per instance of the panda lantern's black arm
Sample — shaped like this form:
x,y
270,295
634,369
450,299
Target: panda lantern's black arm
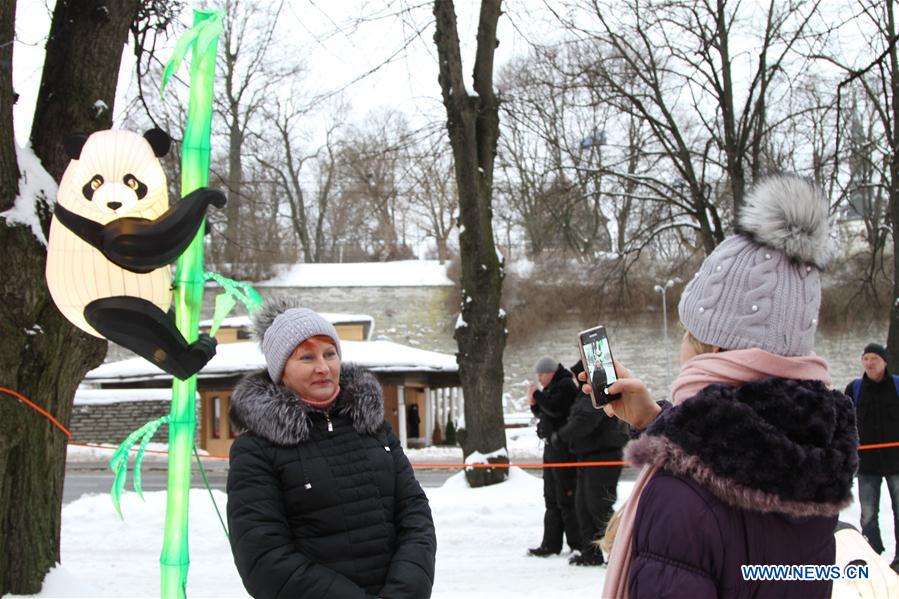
x,y
141,245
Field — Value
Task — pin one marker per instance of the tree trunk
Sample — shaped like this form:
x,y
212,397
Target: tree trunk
x,y
42,356
9,169
473,126
80,74
892,83
442,249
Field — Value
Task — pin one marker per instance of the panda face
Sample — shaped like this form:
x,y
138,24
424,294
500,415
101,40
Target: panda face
x,y
116,175
115,196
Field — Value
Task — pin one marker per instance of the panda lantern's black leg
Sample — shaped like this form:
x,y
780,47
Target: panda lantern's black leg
x,y
142,327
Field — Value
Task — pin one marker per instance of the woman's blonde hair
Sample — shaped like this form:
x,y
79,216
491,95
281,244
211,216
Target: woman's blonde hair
x,y
606,542
699,346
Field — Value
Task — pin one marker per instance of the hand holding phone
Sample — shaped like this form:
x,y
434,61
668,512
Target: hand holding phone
x,y
635,405
596,356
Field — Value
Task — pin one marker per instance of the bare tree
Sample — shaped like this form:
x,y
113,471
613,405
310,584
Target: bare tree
x,y
673,66
874,155
577,169
372,163
290,168
550,154
251,71
432,192
473,127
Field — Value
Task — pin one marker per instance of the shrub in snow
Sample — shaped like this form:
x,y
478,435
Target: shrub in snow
x,y
450,433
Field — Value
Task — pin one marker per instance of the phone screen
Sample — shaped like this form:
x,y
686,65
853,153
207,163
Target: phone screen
x,y
596,354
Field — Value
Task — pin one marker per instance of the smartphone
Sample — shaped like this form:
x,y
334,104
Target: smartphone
x,y
596,356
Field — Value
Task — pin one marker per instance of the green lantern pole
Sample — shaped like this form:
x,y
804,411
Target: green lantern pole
x,y
202,40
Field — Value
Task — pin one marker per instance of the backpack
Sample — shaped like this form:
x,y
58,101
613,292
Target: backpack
x,y
857,388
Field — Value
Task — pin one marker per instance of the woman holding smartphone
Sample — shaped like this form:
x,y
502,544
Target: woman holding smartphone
x,y
754,460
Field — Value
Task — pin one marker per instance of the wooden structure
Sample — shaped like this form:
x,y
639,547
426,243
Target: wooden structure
x,y
421,389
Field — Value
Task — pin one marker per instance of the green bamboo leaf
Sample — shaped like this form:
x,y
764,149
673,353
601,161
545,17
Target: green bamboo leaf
x,y
150,431
119,464
121,454
248,296
178,54
223,305
209,32
117,486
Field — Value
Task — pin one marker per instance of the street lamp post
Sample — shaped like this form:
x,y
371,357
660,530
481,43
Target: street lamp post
x,y
663,289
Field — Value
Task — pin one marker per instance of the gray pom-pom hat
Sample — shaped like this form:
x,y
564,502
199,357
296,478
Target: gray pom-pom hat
x,y
280,326
761,287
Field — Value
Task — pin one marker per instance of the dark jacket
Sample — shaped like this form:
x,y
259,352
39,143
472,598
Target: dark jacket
x,y
750,475
590,433
878,422
325,505
554,401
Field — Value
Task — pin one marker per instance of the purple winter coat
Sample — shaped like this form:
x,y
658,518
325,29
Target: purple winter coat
x,y
749,475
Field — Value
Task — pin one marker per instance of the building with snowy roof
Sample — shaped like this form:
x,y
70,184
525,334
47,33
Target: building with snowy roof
x,y
421,388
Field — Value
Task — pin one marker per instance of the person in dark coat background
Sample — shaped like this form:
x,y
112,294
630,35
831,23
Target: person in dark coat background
x,y
877,408
551,405
322,501
413,422
754,461
593,436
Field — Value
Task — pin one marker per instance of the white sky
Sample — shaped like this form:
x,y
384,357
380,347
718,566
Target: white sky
x,y
338,46
335,48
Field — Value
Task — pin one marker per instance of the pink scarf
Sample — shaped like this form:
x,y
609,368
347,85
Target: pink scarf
x,y
732,368
324,404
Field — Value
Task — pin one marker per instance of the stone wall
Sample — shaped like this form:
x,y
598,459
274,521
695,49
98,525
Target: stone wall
x,y
112,422
414,316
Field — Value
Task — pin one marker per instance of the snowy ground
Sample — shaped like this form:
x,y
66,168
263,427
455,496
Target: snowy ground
x,y
482,535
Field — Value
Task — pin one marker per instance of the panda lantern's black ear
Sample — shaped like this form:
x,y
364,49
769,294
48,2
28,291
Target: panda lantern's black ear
x,y
159,141
73,144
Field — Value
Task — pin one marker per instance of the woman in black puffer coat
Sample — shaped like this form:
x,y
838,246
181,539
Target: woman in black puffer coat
x,y
322,501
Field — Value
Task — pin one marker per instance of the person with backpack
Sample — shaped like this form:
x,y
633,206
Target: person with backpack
x,y
876,399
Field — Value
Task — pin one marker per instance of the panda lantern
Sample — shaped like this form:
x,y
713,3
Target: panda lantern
x,y
112,240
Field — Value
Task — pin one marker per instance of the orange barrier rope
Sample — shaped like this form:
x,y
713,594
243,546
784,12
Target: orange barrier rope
x,y
39,409
414,464
523,465
455,466
135,449
878,446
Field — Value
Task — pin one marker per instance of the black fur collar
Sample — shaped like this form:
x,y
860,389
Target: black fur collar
x,y
777,445
274,413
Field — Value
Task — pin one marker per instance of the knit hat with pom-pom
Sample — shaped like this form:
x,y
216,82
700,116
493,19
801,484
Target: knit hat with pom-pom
x,y
280,326
761,287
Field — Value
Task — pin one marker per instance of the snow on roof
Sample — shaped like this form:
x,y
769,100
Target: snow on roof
x,y
85,397
238,358
401,273
334,318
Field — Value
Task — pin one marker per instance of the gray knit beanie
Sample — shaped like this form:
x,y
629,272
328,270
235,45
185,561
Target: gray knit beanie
x,y
280,327
761,287
546,364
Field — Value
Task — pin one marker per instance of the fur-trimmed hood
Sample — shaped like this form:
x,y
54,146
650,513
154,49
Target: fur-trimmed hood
x,y
776,445
273,412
